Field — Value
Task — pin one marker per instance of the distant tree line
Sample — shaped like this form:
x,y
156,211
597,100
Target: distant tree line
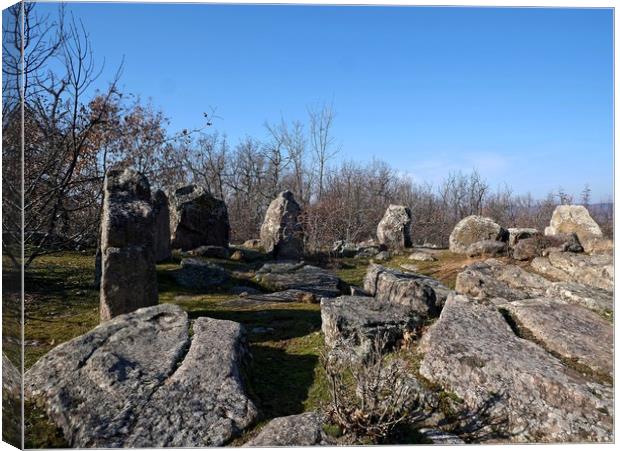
x,y
73,135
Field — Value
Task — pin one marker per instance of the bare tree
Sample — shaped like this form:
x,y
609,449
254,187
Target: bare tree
x,y
322,141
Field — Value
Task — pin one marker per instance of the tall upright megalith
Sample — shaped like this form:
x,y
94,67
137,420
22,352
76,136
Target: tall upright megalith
x,y
161,224
197,219
282,233
128,279
394,229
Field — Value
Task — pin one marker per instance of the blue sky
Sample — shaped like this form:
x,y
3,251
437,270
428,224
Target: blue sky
x,y
523,95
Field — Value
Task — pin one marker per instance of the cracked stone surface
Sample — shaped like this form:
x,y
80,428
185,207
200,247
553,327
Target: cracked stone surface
x,y
134,380
299,276
596,299
568,331
592,270
420,293
515,389
493,279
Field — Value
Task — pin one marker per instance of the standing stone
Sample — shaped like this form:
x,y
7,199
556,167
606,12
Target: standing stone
x,y
197,219
128,280
394,229
161,215
281,233
573,219
472,229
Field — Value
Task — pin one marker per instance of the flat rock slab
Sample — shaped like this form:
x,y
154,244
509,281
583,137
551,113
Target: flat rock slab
x,y
420,293
421,256
596,299
200,274
298,276
132,382
305,429
592,270
568,331
528,394
356,321
493,279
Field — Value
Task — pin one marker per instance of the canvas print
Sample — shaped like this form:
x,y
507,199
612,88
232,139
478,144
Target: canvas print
x,y
306,225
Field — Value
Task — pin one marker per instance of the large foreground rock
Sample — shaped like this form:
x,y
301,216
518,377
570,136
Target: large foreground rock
x,y
493,279
472,229
128,275
573,219
161,219
131,382
394,229
520,391
357,323
305,429
423,295
568,331
299,276
197,219
593,270
282,233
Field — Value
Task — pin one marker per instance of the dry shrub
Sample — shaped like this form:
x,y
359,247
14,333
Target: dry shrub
x,y
371,397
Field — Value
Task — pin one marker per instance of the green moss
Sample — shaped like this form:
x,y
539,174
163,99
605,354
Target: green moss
x,y
353,270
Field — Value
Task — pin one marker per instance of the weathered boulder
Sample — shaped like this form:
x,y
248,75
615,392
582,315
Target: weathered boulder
x,y
200,274
516,234
529,248
573,219
209,252
128,275
564,242
394,229
203,403
132,383
299,276
511,385
526,249
493,279
161,219
596,299
305,429
598,245
197,219
423,295
473,229
421,256
355,322
593,270
282,233
568,331
490,248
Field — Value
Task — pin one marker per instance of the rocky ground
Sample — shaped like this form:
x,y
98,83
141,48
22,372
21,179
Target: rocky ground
x,y
522,353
